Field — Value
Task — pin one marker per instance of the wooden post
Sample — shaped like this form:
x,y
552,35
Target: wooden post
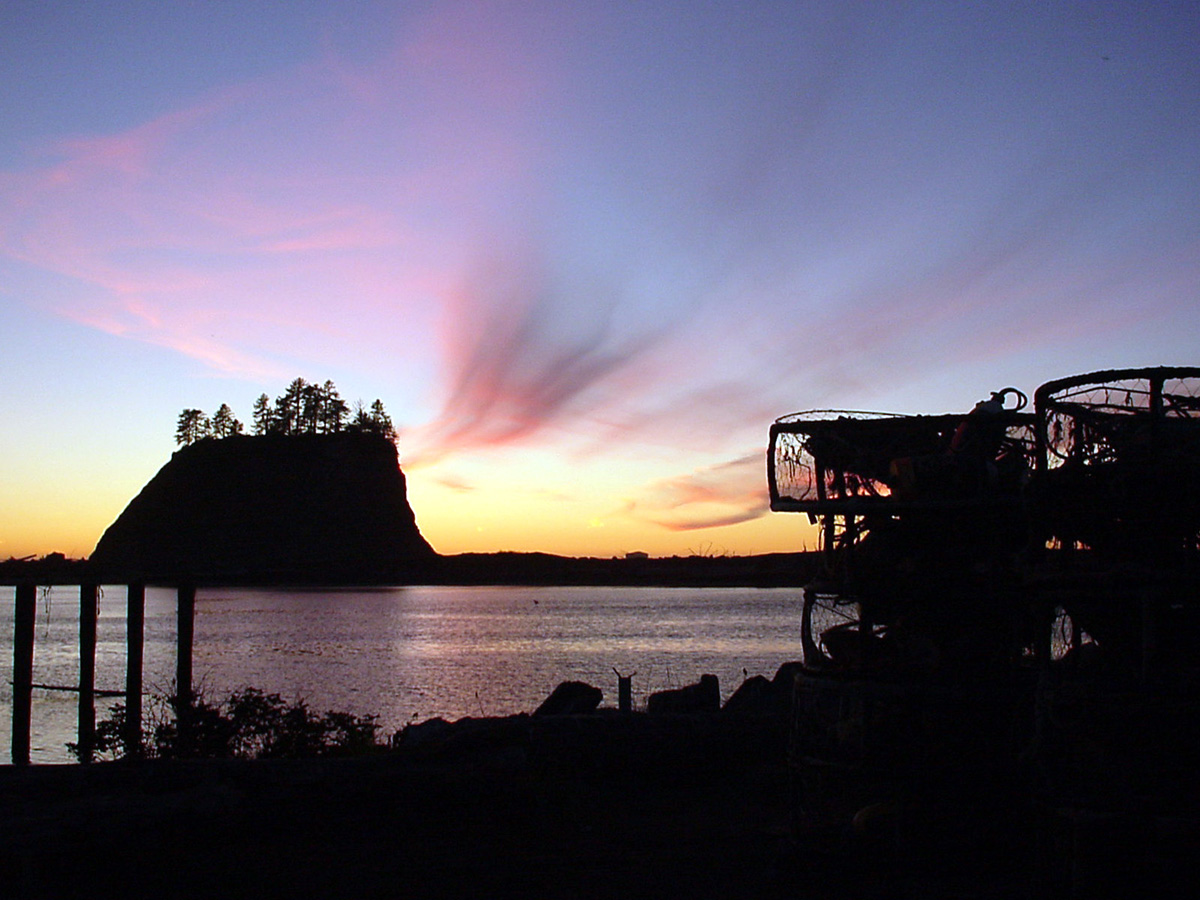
x,y
22,707
186,620
88,612
135,638
624,691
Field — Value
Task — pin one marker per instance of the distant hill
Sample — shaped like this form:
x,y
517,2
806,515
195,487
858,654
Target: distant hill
x,y
765,570
327,508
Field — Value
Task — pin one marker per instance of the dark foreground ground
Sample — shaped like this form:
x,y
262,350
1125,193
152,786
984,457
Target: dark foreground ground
x,y
568,807
575,807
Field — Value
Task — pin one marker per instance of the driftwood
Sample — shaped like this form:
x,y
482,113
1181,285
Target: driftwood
x,y
99,692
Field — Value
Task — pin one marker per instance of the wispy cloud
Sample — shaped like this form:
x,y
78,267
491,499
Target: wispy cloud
x,y
727,493
566,246
519,359
453,482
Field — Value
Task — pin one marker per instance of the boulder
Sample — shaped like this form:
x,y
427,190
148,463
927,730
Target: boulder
x,y
759,696
416,733
704,696
785,677
571,698
756,695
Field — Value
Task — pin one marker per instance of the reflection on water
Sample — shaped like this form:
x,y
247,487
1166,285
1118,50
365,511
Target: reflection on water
x,y
411,653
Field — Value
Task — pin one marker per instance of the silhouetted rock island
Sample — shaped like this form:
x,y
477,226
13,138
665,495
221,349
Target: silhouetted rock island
x,y
333,509
328,508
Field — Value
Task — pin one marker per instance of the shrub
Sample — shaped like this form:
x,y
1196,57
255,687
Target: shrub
x,y
248,724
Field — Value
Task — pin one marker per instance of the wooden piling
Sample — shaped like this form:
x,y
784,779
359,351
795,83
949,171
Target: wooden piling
x,y
185,619
624,691
24,616
135,622
88,612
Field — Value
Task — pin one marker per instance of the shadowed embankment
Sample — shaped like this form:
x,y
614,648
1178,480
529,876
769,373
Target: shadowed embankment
x,y
576,806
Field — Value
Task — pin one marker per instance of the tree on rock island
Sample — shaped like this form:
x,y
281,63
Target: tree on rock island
x,y
191,426
303,408
223,422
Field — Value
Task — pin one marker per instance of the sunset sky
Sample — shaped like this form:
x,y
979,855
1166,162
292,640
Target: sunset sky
x,y
585,252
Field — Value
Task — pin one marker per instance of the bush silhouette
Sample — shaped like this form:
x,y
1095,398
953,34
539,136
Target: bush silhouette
x,y
248,724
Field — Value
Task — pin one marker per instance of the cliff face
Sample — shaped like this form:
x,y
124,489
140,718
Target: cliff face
x,y
306,508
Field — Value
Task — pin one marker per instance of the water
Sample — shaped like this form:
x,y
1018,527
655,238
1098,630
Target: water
x,y
409,653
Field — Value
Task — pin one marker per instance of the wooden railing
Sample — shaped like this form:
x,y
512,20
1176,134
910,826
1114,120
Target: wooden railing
x,y
25,614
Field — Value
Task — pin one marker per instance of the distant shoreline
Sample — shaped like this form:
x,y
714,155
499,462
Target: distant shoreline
x,y
766,570
476,569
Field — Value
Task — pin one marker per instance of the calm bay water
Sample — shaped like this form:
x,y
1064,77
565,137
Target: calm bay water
x,y
411,653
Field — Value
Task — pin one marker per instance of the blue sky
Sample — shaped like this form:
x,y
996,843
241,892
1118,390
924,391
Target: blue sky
x,y
585,253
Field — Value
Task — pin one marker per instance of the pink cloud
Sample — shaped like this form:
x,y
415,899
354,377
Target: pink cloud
x,y
518,361
727,493
133,154
652,288
453,482
270,205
